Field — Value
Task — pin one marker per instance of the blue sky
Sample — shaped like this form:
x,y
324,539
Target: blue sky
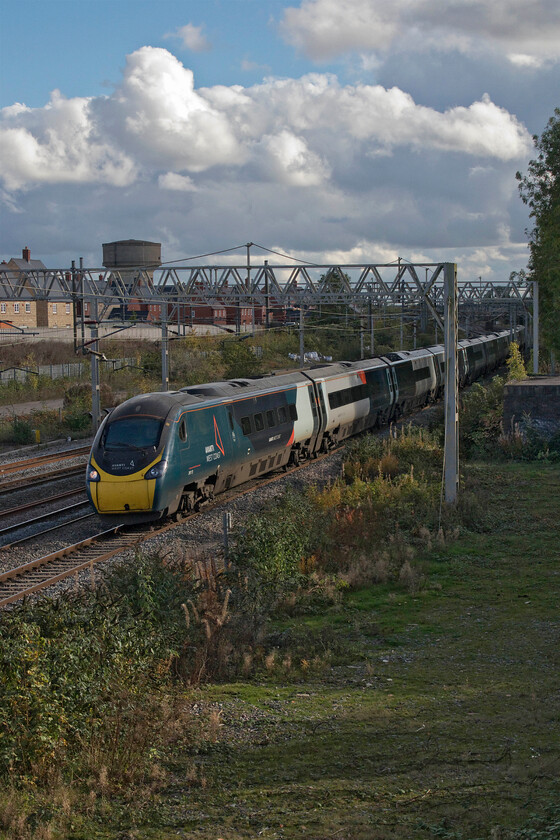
x,y
79,46
347,130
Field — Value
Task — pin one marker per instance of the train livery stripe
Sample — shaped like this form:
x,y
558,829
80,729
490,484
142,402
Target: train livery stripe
x,y
217,437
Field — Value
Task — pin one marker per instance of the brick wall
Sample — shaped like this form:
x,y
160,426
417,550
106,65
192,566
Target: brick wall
x,y
20,313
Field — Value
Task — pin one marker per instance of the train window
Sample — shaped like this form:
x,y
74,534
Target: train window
x,y
422,373
293,412
282,414
246,425
183,430
230,418
405,376
141,432
259,422
271,418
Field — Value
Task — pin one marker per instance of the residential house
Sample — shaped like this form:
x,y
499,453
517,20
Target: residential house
x,y
29,311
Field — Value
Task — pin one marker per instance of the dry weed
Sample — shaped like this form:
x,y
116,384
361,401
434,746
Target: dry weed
x,y
410,577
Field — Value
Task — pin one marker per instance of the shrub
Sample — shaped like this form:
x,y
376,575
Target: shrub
x,y
78,674
275,542
22,433
515,364
480,420
239,359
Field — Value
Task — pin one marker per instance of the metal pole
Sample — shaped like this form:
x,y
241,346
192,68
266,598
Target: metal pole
x,y
95,394
361,339
535,327
226,526
164,349
248,284
82,314
451,451
301,339
371,335
402,307
74,308
266,297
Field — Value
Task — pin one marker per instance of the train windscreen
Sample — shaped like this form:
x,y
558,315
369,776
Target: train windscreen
x,y
139,432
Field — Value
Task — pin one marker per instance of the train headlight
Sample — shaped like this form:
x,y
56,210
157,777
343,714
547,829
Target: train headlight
x,y
157,470
92,474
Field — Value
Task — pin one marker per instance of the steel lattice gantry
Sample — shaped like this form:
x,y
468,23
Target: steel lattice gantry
x,y
376,285
299,286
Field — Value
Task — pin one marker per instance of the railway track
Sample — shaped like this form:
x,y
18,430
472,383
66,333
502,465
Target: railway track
x,y
44,517
13,511
29,578
43,478
38,574
41,460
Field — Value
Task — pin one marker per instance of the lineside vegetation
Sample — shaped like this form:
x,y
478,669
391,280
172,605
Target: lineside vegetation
x,y
162,684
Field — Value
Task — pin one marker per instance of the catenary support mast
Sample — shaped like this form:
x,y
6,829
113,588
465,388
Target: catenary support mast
x,y
451,453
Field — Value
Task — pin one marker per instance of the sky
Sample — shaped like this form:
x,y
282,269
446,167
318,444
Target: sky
x,y
333,131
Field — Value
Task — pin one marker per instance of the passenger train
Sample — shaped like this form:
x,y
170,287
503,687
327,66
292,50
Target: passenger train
x,y
160,454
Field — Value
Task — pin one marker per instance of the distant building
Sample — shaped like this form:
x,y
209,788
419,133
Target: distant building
x,y
29,311
132,262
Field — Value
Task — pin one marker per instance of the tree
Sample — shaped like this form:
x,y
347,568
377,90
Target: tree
x,y
540,190
239,359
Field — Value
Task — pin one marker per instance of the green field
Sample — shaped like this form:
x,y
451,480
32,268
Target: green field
x,y
426,707
439,717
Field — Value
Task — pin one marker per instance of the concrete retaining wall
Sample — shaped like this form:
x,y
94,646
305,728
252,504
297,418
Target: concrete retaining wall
x,y
537,398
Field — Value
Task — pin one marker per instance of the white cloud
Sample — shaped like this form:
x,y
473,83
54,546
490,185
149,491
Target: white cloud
x,y
288,159
158,115
306,164
174,181
323,29
526,60
59,144
249,66
297,132
192,38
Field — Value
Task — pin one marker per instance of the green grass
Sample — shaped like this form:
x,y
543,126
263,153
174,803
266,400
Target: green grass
x,y
438,715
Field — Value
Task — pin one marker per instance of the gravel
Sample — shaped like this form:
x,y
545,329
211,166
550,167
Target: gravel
x,y
201,538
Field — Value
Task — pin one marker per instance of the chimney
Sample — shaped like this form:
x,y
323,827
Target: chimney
x,y
26,254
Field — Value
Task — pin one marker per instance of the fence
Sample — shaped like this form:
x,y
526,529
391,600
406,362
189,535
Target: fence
x,y
72,370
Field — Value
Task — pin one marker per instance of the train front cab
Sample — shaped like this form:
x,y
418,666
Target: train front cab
x,y
128,461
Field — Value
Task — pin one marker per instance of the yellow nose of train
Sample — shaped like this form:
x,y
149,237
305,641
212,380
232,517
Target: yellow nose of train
x,y
120,494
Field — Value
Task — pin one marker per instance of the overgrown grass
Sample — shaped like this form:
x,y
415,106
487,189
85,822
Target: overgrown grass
x,y
372,666
482,434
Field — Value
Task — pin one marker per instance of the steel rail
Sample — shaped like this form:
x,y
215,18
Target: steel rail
x,y
56,566
30,505
9,529
72,559
43,478
39,460
38,536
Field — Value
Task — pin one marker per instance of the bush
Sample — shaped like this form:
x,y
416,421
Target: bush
x,y
515,364
22,433
83,671
480,419
239,359
275,542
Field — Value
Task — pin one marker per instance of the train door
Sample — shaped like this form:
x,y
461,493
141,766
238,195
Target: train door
x,y
319,396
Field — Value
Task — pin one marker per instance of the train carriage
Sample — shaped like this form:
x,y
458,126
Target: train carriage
x,y
158,454
415,379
